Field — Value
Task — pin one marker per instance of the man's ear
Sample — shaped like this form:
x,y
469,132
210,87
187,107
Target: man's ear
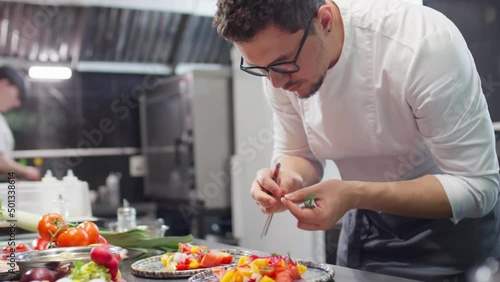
x,y
325,14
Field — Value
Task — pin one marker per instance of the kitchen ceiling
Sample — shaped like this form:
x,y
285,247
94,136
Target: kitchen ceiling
x,y
92,37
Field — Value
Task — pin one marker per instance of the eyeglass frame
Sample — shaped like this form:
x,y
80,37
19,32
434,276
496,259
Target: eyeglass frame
x,y
270,67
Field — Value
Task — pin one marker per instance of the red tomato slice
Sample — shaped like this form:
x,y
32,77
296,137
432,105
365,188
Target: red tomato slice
x,y
183,248
294,272
227,259
283,276
210,260
22,248
182,266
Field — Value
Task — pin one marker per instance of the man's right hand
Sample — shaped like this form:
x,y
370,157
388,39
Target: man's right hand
x,y
267,193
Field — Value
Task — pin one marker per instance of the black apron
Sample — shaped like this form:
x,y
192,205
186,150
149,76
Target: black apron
x,y
422,249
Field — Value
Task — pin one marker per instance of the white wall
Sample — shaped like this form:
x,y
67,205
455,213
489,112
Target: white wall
x,y
253,146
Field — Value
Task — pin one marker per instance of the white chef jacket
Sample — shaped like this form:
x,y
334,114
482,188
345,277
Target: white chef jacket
x,y
404,100
6,138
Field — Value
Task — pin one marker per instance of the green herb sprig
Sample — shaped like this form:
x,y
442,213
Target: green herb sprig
x,y
309,201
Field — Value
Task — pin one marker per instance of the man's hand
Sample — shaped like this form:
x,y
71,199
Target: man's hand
x,y
267,193
332,201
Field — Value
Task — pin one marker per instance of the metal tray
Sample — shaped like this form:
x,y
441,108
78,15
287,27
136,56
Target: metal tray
x,y
51,258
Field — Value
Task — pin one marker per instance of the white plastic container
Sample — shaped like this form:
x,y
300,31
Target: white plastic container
x,y
113,189
38,197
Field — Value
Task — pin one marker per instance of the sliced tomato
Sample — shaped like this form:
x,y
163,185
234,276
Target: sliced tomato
x,y
210,260
226,259
22,248
182,248
182,266
294,272
283,276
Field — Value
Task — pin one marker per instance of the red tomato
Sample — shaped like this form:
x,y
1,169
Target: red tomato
x,y
182,248
22,248
40,244
73,237
18,248
50,224
210,260
102,240
283,276
294,272
92,230
182,267
226,259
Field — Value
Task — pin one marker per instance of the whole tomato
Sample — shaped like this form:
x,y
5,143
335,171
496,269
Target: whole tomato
x,y
50,224
92,230
73,237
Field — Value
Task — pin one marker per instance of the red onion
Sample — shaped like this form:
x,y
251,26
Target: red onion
x,y
38,274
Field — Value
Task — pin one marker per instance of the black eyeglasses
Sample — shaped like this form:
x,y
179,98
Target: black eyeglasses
x,y
282,67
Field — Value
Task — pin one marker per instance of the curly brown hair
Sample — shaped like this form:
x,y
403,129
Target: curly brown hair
x,y
241,20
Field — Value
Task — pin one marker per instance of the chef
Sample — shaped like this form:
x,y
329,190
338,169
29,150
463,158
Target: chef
x,y
11,92
389,91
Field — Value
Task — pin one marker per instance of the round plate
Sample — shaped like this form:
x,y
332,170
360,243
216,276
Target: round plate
x,y
315,272
153,268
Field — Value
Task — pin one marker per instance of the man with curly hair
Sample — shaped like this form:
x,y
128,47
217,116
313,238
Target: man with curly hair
x,y
389,91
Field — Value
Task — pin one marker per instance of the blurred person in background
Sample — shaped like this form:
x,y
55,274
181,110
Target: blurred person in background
x,y
12,90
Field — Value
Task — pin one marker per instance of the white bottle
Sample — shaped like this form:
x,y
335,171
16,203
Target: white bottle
x,y
126,217
61,206
113,185
77,194
48,177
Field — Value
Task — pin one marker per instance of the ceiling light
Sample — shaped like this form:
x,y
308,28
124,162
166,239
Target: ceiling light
x,y
50,72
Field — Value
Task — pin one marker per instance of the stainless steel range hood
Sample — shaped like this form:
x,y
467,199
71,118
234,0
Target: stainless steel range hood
x,y
147,36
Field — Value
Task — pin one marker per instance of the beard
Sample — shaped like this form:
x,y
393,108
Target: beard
x,y
313,89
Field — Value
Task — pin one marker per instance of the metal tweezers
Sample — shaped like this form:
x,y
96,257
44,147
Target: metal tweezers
x,y
270,216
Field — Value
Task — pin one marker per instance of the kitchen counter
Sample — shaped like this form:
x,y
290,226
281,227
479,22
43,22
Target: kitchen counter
x,y
342,274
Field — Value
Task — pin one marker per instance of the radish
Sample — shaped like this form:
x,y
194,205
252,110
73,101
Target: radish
x,y
101,255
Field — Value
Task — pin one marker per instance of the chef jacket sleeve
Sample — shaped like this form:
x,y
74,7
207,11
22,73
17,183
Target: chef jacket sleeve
x,y
444,92
290,138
